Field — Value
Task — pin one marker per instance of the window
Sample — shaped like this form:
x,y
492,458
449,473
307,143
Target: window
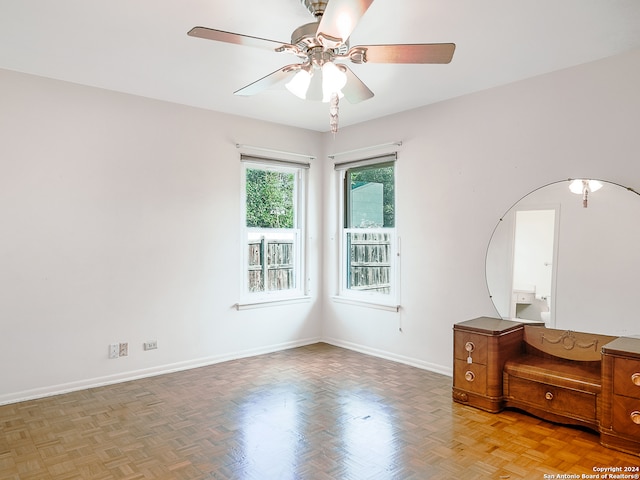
x,y
273,248
368,230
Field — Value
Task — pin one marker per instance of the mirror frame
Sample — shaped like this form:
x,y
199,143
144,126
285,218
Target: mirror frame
x,y
500,299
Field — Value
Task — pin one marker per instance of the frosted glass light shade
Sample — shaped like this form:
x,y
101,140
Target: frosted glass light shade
x,y
595,185
333,81
299,84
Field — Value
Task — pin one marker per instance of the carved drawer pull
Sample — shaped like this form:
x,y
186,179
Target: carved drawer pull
x,y
548,396
469,347
635,378
469,376
635,417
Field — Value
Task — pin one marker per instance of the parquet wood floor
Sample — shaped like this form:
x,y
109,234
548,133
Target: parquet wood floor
x,y
317,412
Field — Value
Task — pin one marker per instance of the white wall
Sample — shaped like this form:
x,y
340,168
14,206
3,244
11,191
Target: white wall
x,y
462,164
120,220
120,223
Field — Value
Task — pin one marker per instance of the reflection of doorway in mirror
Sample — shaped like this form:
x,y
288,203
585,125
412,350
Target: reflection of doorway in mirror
x,y
534,266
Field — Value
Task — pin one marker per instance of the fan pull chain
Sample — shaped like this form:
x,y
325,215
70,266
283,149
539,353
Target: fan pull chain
x,y
333,112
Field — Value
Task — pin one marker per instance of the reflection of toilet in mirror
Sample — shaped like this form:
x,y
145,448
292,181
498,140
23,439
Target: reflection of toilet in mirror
x,y
527,304
546,316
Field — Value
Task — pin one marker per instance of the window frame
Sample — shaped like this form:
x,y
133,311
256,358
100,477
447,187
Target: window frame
x,y
251,299
386,301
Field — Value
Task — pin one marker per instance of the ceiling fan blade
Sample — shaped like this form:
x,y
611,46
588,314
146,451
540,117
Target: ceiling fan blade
x,y
236,38
355,91
403,53
339,20
268,81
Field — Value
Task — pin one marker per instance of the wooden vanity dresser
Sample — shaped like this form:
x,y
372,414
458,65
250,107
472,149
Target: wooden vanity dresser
x,y
563,376
481,347
620,420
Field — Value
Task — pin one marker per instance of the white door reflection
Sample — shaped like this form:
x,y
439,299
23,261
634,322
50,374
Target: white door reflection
x,y
357,435
534,265
371,448
271,437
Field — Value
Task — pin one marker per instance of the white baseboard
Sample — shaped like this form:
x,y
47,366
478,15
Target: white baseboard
x,y
202,362
432,367
147,372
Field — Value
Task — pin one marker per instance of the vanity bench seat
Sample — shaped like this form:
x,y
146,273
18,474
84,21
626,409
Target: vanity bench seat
x,y
567,377
556,371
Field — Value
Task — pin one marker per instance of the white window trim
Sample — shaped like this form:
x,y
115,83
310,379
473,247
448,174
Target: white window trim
x,y
362,303
273,303
390,301
279,297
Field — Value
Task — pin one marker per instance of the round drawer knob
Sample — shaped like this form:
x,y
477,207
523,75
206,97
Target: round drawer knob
x,y
469,376
635,417
548,396
635,378
461,397
469,347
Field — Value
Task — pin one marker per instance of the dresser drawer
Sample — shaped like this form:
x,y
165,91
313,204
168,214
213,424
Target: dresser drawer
x,y
626,412
558,400
477,342
470,377
626,377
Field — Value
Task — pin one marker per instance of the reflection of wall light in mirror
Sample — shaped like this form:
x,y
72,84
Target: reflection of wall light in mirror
x,y
584,187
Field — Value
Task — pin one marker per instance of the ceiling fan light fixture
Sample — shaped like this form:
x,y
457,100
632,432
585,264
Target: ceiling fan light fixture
x,y
584,186
316,77
299,84
579,185
333,80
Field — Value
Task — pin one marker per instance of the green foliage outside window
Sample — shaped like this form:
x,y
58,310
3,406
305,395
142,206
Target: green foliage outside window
x,y
270,199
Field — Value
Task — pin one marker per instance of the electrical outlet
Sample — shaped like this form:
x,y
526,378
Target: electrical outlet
x,y
124,349
151,345
114,350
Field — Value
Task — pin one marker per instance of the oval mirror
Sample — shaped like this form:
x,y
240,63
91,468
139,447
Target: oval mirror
x,y
569,258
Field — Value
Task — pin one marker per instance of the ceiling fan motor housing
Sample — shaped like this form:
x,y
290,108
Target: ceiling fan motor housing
x,y
304,37
315,7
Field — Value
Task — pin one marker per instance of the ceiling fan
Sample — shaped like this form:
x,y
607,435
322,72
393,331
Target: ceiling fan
x,y
319,45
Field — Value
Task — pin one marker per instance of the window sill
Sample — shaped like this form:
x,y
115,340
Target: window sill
x,y
366,303
271,303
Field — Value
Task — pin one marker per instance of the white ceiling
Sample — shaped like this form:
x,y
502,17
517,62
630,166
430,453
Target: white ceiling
x,y
141,47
